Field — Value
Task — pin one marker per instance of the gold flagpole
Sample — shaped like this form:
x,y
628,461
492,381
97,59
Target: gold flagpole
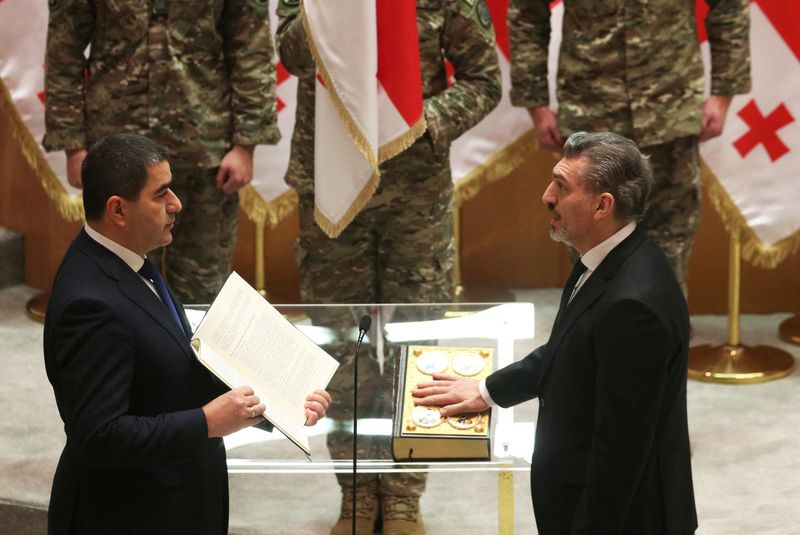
x,y
735,363
259,253
456,207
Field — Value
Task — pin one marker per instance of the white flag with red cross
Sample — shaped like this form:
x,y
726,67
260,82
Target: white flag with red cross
x,y
368,99
756,161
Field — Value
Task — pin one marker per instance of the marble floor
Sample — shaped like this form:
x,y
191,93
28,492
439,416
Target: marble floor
x,y
745,444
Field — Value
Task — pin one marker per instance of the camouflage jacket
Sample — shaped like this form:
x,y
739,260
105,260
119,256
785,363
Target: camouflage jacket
x,y
629,66
459,30
195,76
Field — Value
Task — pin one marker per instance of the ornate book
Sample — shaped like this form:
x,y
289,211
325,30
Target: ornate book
x,y
422,433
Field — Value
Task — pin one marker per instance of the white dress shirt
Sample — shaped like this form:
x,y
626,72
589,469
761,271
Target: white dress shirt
x,y
133,260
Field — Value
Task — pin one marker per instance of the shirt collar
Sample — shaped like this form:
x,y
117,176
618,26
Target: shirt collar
x,y
134,261
594,256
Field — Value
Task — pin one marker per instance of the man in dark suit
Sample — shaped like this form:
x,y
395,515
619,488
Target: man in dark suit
x,y
612,443
143,418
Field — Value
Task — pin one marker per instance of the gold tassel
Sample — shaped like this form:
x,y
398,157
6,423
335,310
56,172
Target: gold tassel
x,y
334,229
394,147
70,207
754,250
499,165
266,213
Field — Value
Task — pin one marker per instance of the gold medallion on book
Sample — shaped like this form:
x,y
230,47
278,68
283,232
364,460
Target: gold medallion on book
x,y
421,433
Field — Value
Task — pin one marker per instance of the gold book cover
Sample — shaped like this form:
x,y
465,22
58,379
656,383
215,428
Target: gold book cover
x,y
422,433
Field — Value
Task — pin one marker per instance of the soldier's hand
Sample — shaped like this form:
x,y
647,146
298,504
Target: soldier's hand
x,y
233,411
316,406
545,122
715,109
75,159
452,394
236,169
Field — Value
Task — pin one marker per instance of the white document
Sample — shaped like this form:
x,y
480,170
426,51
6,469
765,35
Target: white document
x,y
244,341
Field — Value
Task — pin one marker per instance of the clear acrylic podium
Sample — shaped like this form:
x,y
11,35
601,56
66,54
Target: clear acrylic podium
x,y
507,328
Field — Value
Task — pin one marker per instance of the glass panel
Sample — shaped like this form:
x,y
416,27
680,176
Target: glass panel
x,y
507,328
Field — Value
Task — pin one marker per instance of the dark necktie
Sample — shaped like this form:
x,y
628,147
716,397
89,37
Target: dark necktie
x,y
569,286
149,271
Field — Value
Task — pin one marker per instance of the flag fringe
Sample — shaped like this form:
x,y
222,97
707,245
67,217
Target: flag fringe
x,y
360,140
497,166
392,148
268,213
69,206
333,229
754,251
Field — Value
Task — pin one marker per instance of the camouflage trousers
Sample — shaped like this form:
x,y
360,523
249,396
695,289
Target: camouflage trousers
x,y
198,260
673,211
398,249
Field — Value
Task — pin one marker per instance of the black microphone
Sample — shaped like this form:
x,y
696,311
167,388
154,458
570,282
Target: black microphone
x,y
363,326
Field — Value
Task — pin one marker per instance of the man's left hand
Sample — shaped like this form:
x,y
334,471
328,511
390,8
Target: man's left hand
x,y
452,394
714,111
236,169
316,406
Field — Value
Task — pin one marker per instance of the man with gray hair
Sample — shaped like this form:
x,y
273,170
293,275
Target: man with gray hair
x,y
612,440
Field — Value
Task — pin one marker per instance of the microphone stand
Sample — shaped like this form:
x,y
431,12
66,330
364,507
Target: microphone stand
x,y
363,326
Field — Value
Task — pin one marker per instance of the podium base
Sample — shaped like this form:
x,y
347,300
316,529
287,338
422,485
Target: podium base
x,y
738,364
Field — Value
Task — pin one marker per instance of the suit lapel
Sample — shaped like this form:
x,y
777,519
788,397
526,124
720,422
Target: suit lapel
x,y
591,291
136,290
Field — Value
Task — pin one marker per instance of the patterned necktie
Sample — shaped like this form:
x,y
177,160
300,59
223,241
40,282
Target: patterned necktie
x,y
149,271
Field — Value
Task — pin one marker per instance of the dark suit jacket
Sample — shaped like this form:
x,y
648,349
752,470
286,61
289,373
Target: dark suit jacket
x,y
612,442
129,389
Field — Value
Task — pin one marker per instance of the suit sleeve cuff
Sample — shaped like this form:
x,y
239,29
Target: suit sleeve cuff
x,y
487,398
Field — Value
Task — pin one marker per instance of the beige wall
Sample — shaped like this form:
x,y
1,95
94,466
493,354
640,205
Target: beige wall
x,y
504,241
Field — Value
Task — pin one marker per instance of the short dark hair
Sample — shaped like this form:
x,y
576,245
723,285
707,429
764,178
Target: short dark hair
x,y
117,165
615,166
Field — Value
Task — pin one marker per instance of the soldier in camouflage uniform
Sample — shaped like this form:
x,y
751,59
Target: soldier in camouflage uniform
x,y
635,68
199,79
399,247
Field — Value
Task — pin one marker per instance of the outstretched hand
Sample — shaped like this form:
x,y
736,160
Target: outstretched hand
x,y
453,394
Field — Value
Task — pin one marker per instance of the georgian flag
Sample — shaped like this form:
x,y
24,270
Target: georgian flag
x,y
368,98
755,163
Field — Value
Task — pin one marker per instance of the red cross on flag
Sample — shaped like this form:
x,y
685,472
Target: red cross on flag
x,y
368,98
755,163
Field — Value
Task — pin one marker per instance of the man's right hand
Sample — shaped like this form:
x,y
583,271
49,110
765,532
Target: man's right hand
x,y
545,122
233,411
74,161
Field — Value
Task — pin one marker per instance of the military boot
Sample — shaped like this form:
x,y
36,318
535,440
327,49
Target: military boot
x,y
401,515
366,512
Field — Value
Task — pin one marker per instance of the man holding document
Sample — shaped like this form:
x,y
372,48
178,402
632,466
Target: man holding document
x,y
143,418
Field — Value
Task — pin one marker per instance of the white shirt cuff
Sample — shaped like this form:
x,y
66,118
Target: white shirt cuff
x,y
485,393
